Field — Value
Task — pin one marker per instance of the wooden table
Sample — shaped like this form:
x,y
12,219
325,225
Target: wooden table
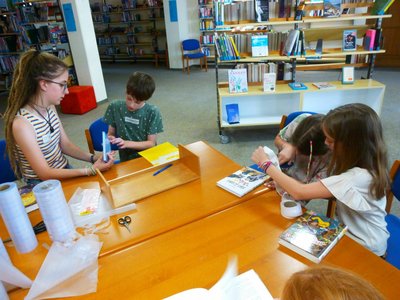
x,y
196,255
156,214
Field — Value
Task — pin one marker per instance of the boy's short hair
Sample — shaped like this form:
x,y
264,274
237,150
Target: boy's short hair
x,y
140,85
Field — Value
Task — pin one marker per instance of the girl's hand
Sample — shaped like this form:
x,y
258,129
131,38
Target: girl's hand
x,y
104,166
286,154
259,156
117,141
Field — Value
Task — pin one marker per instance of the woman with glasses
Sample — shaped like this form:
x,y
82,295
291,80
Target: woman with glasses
x,y
36,140
357,174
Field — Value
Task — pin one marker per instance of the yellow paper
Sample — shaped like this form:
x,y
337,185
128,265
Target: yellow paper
x,y
160,154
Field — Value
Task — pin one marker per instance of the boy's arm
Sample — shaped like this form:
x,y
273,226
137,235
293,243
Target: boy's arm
x,y
138,146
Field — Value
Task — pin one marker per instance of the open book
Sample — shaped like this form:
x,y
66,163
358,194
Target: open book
x,y
246,286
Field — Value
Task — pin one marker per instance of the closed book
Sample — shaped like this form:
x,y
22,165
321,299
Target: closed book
x,y
259,45
349,40
291,41
312,235
232,113
324,85
269,82
237,81
242,181
369,39
262,10
332,8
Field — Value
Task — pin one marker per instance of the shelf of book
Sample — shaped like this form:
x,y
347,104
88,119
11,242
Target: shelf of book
x,y
259,108
31,24
127,29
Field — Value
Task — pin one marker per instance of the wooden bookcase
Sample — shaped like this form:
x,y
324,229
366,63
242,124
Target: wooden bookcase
x,y
129,30
35,24
258,108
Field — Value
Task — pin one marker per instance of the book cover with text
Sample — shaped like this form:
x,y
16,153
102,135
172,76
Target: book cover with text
x,y
312,235
237,81
259,45
349,40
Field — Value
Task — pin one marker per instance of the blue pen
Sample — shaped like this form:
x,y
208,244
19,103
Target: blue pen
x,y
162,169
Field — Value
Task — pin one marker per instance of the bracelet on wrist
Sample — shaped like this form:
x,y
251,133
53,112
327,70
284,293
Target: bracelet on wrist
x,y
265,165
92,158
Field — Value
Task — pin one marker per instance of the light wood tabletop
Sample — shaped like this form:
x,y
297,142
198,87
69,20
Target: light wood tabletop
x,y
195,256
156,214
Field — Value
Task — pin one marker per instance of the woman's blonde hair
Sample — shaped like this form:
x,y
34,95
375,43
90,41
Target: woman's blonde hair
x,y
327,283
32,67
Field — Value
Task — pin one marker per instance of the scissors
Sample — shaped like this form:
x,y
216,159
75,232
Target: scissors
x,y
125,221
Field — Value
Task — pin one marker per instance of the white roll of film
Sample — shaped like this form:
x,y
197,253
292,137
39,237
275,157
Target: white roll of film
x,y
290,208
16,219
55,211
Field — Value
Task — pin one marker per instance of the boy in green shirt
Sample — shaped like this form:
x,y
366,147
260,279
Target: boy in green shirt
x,y
133,124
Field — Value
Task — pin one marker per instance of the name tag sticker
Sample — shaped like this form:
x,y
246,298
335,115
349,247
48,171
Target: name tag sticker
x,y
131,120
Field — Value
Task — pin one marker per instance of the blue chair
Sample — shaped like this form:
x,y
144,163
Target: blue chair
x,y
393,222
6,174
94,136
286,119
191,50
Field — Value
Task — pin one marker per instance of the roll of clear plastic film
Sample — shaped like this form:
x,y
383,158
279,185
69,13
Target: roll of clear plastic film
x,y
55,211
16,219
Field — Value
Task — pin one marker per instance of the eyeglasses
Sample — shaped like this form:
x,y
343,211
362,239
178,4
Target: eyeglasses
x,y
63,85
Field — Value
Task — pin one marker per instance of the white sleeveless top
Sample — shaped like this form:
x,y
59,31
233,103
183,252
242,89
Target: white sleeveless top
x,y
49,143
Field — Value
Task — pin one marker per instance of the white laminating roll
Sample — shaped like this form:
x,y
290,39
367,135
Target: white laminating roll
x,y
55,211
16,219
290,208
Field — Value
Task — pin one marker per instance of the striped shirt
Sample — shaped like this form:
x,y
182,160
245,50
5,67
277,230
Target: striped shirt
x,y
49,143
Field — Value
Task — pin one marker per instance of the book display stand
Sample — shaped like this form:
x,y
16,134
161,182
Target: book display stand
x,y
141,184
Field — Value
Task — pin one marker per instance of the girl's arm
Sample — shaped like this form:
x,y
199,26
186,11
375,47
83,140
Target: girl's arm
x,y
296,189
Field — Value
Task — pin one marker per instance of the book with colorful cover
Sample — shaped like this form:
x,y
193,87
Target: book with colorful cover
x,y
261,8
269,82
232,113
28,198
237,81
349,40
259,45
332,8
242,181
313,235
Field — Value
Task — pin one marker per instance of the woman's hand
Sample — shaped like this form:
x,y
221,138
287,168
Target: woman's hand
x,y
104,166
259,156
287,153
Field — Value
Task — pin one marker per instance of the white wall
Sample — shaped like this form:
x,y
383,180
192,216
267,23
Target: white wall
x,y
187,27
84,49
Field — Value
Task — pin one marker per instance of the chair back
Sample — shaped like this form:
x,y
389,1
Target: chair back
x,y
286,120
6,174
393,222
395,185
190,45
94,136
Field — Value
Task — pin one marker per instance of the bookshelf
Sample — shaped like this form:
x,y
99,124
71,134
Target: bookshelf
x,y
259,108
35,24
206,18
129,30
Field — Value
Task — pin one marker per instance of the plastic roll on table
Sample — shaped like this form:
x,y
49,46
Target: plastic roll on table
x,y
16,219
290,208
55,211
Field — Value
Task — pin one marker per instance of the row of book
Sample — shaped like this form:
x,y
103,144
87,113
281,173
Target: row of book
x,y
207,39
206,25
256,71
275,39
40,12
11,43
205,12
8,63
226,47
